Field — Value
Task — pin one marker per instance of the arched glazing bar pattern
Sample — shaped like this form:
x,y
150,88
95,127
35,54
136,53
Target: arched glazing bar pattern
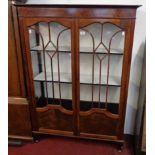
x,y
49,49
100,56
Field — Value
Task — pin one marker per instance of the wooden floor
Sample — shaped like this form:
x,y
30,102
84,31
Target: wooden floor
x,y
67,146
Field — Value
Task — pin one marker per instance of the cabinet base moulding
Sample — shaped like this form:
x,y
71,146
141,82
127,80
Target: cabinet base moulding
x,y
112,139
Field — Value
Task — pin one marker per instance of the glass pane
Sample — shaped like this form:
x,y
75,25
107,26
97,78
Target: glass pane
x,y
101,58
50,47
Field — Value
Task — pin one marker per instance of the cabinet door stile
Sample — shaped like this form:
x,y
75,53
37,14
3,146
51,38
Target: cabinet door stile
x,y
74,75
77,74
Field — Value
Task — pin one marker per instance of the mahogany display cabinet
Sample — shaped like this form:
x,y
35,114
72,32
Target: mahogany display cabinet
x,y
76,67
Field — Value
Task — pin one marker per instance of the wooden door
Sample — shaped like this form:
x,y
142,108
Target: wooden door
x,y
49,64
104,53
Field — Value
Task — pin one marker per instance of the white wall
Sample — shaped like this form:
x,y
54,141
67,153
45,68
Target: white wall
x,y
137,56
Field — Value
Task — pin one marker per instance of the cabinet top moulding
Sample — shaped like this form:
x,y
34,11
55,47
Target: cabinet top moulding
x,y
77,11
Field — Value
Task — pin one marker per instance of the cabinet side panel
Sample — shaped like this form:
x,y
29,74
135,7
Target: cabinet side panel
x,y
13,72
18,52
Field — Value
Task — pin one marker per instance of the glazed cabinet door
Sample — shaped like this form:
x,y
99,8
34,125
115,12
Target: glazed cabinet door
x,y
49,54
102,55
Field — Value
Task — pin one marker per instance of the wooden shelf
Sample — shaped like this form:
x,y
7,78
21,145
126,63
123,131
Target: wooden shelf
x,y
84,79
83,50
64,77
89,50
51,48
87,79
